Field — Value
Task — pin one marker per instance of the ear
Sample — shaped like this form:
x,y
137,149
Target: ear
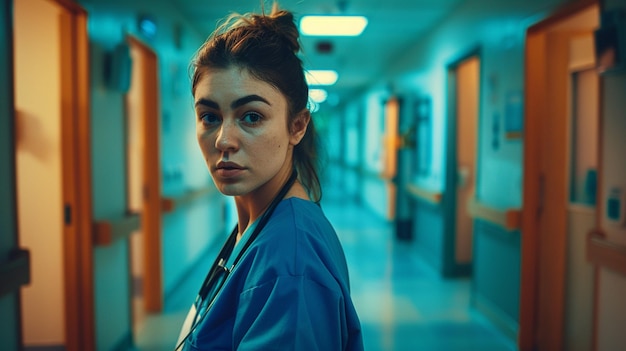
x,y
298,127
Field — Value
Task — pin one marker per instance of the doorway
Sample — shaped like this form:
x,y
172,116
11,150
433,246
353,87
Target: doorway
x,y
390,154
143,181
463,104
560,168
53,172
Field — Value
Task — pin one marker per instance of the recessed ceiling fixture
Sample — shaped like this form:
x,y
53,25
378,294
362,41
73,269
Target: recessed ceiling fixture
x,y
321,77
324,47
332,25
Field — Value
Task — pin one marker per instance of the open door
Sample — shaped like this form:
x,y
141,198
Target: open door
x,y
391,142
462,124
54,172
143,180
560,157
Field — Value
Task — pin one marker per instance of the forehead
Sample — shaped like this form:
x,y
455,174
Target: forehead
x,y
228,84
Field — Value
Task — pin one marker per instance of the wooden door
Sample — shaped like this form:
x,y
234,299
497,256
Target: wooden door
x,y
582,210
54,172
390,153
144,180
546,176
461,133
468,87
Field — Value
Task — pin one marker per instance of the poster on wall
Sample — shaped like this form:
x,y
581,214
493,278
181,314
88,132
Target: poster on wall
x,y
423,130
513,116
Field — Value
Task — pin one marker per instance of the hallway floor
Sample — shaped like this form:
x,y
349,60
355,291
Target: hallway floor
x,y
402,304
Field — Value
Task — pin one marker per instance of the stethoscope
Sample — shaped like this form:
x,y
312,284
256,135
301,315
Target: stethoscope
x,y
215,278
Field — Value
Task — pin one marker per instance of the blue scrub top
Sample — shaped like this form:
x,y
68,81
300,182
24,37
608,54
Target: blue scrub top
x,y
289,291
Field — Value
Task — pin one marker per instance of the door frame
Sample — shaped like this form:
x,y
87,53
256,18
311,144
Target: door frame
x,y
536,93
151,224
449,199
77,187
391,108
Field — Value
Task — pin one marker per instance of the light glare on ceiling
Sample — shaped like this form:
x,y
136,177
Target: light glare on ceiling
x,y
321,77
333,25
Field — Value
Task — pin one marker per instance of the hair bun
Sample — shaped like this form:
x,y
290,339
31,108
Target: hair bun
x,y
281,23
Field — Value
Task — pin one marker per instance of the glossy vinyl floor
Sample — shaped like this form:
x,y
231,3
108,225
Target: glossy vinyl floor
x,y
402,303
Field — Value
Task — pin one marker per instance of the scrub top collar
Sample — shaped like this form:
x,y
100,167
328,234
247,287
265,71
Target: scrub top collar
x,y
241,243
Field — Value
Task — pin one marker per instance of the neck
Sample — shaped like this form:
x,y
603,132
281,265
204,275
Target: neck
x,y
252,205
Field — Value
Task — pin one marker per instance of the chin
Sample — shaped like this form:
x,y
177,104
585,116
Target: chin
x,y
230,189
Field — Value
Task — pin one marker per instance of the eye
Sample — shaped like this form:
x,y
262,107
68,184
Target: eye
x,y
251,118
209,119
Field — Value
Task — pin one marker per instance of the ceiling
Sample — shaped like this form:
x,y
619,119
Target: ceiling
x,y
393,25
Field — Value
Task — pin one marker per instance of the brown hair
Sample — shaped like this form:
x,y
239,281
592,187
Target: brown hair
x,y
267,46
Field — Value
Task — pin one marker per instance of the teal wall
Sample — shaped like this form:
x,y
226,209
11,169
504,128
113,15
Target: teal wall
x,y
611,309
9,303
421,71
188,232
496,275
427,229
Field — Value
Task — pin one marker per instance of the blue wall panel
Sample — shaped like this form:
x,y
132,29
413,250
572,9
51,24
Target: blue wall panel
x,y
497,266
428,233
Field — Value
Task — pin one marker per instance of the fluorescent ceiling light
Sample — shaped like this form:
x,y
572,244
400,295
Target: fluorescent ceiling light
x,y
333,25
318,95
321,77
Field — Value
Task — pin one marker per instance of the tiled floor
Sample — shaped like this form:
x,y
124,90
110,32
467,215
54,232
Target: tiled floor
x,y
403,305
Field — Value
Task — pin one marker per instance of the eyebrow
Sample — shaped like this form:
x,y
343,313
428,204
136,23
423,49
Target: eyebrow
x,y
237,103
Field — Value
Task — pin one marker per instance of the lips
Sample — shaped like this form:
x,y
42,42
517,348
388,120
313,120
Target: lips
x,y
227,169
228,165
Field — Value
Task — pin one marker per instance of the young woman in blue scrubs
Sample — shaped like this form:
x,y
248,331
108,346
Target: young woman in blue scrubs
x,y
281,281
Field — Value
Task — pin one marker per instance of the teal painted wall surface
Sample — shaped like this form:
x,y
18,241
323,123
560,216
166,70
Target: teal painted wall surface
x,y
9,303
421,71
188,232
427,233
611,308
496,279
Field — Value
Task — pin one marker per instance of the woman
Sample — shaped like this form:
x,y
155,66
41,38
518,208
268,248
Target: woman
x,y
281,280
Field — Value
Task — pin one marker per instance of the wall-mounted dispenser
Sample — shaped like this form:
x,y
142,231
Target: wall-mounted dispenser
x,y
615,207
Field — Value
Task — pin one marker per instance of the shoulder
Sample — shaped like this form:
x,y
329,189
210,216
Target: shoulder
x,y
298,240
304,229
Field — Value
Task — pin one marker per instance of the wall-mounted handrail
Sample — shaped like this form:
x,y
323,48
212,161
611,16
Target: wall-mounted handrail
x,y
15,271
108,231
433,197
509,219
171,203
604,253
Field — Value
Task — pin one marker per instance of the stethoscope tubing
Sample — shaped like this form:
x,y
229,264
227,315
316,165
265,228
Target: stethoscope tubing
x,y
225,251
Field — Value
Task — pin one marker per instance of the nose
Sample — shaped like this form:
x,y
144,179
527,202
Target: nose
x,y
227,137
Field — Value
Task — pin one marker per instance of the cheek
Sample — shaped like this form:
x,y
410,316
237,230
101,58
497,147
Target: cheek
x,y
276,147
206,142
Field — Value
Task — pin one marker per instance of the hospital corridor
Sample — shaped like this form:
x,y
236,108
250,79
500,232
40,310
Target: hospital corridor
x,y
402,303
470,153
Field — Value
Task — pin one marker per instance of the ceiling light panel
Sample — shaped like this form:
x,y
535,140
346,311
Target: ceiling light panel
x,y
332,25
321,77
